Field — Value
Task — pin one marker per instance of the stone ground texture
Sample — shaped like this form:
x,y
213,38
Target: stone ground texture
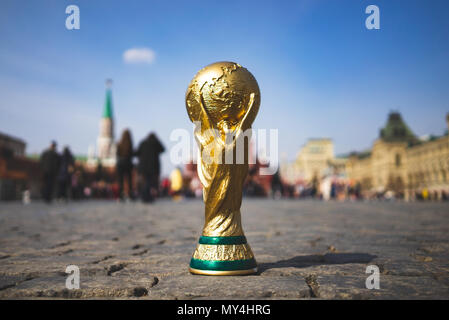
x,y
305,249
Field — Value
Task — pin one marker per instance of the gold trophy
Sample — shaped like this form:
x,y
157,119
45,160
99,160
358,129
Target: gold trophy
x,y
223,100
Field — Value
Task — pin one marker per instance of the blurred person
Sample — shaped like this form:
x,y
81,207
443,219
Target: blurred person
x,y
49,161
64,177
165,187
87,192
358,191
325,187
99,175
277,189
389,195
298,190
425,194
315,187
333,193
124,163
444,196
176,183
196,187
26,197
77,184
252,188
149,166
113,191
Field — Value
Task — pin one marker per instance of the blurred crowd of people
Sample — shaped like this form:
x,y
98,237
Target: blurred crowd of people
x,y
62,177
333,187
148,167
137,175
56,170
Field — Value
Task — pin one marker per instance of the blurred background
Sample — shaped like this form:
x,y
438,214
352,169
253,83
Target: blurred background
x,y
88,112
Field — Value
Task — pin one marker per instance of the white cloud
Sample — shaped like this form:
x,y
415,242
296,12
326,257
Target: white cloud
x,y
139,55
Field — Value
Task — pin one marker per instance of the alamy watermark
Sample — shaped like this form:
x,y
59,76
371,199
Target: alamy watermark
x,y
373,280
227,148
73,280
73,20
373,20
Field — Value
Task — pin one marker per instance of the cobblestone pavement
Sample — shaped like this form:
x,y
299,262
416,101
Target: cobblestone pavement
x,y
305,249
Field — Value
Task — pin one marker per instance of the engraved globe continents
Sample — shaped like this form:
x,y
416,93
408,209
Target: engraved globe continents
x,y
225,90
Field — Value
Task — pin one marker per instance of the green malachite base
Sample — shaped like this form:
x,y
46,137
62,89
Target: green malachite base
x,y
223,267
222,240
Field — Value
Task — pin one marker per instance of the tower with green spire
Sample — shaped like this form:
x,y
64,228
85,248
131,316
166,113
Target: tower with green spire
x,y
107,111
105,141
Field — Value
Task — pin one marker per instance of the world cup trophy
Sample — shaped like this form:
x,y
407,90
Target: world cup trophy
x,y
222,101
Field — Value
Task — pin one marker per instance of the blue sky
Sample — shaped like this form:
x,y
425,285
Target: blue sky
x,y
320,71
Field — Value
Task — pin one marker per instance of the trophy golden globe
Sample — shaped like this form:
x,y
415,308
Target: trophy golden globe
x,y
222,101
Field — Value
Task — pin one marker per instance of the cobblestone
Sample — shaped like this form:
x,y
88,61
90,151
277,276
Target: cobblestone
x,y
305,249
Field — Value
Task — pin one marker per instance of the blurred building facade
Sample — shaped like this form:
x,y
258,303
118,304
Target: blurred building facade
x,y
15,145
401,163
314,160
17,172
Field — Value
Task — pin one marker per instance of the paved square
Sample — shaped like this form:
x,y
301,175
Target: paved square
x,y
305,249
